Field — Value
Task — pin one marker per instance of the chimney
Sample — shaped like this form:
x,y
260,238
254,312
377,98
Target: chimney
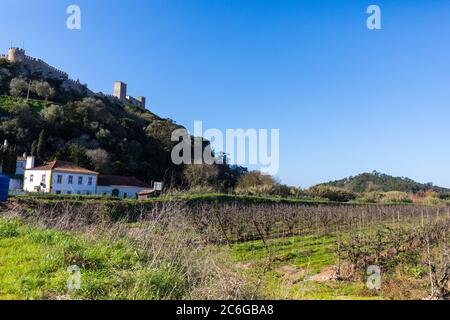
x,y
30,163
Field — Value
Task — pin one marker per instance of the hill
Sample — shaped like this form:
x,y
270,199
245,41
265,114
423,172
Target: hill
x,y
94,132
376,181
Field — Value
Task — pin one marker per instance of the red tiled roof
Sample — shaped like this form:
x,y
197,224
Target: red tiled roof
x,y
63,166
121,181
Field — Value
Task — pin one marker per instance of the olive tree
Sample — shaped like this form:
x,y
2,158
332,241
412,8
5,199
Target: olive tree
x,y
43,89
18,87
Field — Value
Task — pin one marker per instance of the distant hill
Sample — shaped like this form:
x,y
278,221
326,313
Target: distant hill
x,y
376,181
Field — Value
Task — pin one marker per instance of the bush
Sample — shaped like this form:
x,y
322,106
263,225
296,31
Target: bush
x,y
331,193
18,87
43,89
395,197
370,197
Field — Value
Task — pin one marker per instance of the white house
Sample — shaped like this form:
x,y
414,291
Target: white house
x,y
122,187
59,177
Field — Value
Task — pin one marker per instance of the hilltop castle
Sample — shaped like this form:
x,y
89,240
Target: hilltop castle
x,y
33,66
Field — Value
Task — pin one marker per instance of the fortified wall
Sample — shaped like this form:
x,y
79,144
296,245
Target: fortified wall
x,y
32,66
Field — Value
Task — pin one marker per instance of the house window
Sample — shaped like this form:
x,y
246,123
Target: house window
x,y
58,191
59,179
31,177
43,177
70,180
90,181
80,180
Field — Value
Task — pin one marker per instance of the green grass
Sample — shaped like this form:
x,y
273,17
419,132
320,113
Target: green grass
x,y
34,262
307,252
8,103
198,197
304,256
286,266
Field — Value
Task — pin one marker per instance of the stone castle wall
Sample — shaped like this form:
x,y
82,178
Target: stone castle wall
x,y
33,65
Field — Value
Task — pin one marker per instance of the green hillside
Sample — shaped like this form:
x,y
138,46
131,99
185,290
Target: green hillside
x,y
96,133
376,181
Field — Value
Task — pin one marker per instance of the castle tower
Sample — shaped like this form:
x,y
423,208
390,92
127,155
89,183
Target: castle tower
x,y
16,55
120,90
141,101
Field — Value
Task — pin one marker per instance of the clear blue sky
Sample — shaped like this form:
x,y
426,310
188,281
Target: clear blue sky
x,y
346,99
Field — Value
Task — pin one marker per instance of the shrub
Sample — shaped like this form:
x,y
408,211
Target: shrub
x,y
43,89
395,197
370,197
18,87
331,193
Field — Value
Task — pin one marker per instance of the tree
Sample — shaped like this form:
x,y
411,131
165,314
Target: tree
x,y
331,193
43,89
8,159
41,145
18,87
52,114
34,148
254,179
5,74
201,175
100,159
74,153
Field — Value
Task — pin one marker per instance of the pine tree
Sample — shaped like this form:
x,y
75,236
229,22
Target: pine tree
x,y
34,148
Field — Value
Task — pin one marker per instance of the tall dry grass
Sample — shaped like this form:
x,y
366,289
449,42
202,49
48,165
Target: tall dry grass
x,y
163,233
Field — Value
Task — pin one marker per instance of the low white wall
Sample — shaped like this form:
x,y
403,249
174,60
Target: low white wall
x,y
131,192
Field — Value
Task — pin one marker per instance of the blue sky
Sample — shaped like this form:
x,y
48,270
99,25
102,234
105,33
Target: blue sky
x,y
346,99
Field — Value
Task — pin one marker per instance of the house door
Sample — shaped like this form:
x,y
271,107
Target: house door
x,y
115,193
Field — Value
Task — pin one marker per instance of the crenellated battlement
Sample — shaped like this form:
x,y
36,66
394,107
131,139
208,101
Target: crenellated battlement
x,y
33,65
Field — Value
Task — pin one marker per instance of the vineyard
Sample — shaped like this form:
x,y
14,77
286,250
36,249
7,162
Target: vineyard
x,y
276,250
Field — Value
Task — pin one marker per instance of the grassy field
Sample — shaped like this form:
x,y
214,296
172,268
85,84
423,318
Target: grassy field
x,y
302,268
34,262
34,265
168,255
